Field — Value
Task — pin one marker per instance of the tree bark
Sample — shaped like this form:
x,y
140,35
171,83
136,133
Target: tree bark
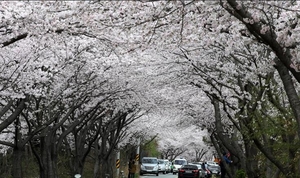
x,y
48,157
5,123
97,161
17,163
219,130
290,91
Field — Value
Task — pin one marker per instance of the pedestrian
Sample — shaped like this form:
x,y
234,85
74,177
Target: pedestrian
x,y
172,167
131,168
205,168
224,161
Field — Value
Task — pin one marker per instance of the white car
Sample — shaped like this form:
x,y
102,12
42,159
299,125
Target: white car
x,y
168,165
213,167
162,166
149,165
212,163
178,163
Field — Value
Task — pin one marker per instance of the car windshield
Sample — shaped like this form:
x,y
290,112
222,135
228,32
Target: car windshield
x,y
180,162
160,161
146,160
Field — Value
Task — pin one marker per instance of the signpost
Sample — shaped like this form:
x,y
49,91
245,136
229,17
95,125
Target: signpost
x,y
118,163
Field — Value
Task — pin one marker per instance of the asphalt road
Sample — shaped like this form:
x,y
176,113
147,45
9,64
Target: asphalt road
x,y
170,175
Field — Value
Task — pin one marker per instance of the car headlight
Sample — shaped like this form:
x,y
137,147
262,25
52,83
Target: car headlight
x,y
142,167
155,167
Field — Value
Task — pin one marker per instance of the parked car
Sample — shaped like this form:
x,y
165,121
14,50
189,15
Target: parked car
x,y
189,171
199,165
214,169
178,163
149,165
162,166
168,165
212,163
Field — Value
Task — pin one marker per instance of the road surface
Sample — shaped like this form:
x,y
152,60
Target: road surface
x,y
170,175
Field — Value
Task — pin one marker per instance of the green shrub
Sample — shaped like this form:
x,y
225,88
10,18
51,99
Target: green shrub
x,y
240,174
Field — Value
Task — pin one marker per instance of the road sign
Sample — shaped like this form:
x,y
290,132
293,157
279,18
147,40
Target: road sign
x,y
137,157
118,163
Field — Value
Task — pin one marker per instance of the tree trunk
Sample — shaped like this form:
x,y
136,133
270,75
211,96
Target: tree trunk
x,y
96,169
290,91
97,161
18,150
11,118
294,103
105,169
228,143
17,163
251,163
48,157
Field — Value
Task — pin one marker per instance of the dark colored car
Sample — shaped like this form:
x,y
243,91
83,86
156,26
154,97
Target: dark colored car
x,y
199,165
216,170
189,171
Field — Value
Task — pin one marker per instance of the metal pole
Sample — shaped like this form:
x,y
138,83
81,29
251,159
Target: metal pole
x,y
137,157
118,163
138,147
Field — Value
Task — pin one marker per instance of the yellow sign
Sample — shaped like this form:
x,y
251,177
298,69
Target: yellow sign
x,y
118,163
137,157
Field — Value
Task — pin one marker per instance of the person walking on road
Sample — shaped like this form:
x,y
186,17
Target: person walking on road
x,y
172,167
205,168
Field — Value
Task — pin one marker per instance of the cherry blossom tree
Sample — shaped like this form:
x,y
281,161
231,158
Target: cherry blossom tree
x,y
60,58
235,32
66,77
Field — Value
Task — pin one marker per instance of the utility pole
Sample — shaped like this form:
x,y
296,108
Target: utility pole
x,y
137,156
118,163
